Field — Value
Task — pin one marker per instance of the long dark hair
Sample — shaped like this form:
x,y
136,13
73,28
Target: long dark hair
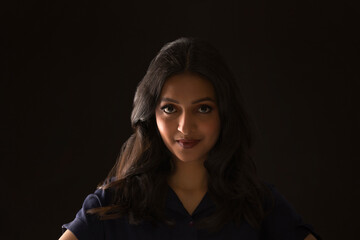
x,y
138,179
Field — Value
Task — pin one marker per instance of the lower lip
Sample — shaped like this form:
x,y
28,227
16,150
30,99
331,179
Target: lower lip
x,y
188,145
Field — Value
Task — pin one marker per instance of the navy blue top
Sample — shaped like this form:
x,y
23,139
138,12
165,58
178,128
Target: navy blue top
x,y
283,223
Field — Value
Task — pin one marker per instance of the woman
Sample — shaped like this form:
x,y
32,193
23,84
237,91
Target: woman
x,y
187,171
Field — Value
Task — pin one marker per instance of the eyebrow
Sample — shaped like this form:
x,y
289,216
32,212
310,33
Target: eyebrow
x,y
196,101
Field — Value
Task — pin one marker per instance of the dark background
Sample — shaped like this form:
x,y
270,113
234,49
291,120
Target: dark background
x,y
70,69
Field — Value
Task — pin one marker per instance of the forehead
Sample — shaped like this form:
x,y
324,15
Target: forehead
x,y
188,86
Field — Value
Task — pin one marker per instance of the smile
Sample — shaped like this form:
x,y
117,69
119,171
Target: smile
x,y
187,143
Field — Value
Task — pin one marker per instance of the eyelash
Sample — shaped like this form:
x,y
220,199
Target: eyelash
x,y
207,106
170,105
165,107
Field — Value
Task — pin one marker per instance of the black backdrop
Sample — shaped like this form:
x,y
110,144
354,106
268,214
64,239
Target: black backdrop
x,y
70,69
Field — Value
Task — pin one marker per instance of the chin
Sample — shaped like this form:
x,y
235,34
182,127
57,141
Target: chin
x,y
188,159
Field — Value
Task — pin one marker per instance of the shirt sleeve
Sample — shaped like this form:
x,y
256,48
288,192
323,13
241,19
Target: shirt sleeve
x,y
282,222
88,226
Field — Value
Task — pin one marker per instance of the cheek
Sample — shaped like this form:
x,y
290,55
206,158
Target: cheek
x,y
163,127
213,128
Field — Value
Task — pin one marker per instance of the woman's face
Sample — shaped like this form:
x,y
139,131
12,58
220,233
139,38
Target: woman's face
x,y
187,117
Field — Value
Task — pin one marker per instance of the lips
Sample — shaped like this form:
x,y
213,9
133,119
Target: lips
x,y
184,143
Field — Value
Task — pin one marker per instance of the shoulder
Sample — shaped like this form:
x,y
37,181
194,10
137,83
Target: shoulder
x,y
281,219
100,198
275,202
86,225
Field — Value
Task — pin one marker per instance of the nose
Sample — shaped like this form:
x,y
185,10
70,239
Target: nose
x,y
186,123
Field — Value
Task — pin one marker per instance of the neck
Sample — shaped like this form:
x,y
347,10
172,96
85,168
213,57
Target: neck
x,y
189,176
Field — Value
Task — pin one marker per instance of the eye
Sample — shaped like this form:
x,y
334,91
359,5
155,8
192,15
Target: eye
x,y
168,109
205,109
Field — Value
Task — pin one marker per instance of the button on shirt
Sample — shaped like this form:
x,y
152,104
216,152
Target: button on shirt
x,y
283,223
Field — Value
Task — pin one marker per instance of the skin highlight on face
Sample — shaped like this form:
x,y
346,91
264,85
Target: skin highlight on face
x,y
187,117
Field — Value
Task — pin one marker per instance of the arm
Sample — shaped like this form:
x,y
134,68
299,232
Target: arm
x,y
68,235
310,237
